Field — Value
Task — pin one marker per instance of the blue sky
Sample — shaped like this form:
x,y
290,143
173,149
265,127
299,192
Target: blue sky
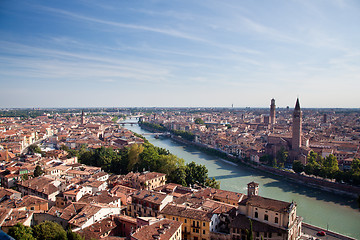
x,y
179,53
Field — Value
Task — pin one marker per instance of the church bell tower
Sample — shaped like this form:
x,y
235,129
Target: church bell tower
x,y
297,127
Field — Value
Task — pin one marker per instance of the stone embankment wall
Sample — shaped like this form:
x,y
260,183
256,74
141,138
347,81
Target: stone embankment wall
x,y
315,182
328,233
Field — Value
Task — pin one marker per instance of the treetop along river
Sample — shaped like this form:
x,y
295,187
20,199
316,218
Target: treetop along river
x,y
317,207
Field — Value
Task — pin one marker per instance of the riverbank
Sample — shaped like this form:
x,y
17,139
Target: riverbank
x,y
333,187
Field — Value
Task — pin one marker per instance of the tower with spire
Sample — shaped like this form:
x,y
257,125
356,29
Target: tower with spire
x,y
272,112
82,117
297,127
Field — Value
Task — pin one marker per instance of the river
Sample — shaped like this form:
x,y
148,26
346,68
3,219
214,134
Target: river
x,y
317,207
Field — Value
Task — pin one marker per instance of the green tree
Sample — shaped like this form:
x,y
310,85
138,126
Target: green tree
x,y
114,119
196,173
298,167
282,156
266,159
64,147
250,231
33,148
355,165
330,166
199,121
178,176
211,182
21,232
134,155
73,236
38,171
24,177
49,231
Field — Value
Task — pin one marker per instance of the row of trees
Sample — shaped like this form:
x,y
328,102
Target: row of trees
x,y
278,161
44,231
328,168
147,157
161,128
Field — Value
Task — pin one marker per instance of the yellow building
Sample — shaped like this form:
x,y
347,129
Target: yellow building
x,y
196,223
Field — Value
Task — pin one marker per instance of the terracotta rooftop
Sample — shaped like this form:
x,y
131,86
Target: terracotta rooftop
x,y
149,196
267,203
163,229
187,212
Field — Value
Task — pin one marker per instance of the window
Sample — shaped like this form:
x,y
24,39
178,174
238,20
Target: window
x,y
185,220
203,224
256,215
203,231
276,220
266,217
270,235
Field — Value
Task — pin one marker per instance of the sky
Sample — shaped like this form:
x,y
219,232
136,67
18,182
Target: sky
x,y
179,53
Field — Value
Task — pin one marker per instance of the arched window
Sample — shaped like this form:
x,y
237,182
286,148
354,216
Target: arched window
x,y
256,215
266,217
276,220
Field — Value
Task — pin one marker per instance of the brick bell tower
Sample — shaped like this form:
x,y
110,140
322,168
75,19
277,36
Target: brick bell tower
x,y
296,127
272,112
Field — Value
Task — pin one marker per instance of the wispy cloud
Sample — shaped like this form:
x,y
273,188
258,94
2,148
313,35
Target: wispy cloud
x,y
168,31
267,31
164,31
50,63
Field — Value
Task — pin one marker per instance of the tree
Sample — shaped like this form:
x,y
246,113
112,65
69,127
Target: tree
x,y
196,173
38,171
355,165
330,166
49,231
134,155
282,156
298,167
211,182
199,121
19,231
73,236
250,231
266,159
33,148
178,176
24,177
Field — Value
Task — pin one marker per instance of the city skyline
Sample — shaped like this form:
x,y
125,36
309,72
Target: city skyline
x,y
179,54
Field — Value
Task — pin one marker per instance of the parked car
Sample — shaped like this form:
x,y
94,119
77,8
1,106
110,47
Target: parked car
x,y
321,233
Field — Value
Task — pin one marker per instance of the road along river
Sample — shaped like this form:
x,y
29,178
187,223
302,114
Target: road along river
x,y
317,207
